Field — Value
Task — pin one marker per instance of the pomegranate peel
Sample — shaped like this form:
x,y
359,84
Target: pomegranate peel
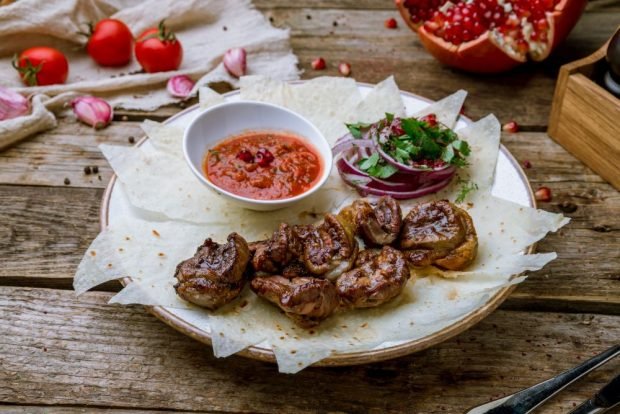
x,y
490,36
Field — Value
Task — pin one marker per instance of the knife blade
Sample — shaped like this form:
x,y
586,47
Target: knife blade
x,y
607,398
525,401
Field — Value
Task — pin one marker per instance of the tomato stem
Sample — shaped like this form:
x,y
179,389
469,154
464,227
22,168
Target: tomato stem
x,y
28,72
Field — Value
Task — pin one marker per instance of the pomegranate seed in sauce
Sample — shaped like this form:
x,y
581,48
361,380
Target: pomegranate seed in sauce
x,y
245,156
264,157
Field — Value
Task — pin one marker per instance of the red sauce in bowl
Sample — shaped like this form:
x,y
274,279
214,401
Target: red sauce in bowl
x,y
263,165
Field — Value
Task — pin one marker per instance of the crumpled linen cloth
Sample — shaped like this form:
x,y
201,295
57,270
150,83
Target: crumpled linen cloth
x,y
205,28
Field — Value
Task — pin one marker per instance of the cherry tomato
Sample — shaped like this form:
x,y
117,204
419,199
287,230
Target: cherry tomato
x,y
110,43
158,50
39,66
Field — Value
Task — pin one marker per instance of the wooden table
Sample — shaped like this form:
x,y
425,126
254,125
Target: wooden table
x,y
63,354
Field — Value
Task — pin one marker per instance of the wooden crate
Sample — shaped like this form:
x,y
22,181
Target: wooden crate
x,y
585,117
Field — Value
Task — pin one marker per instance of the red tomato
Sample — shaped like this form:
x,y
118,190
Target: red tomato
x,y
42,65
110,43
158,50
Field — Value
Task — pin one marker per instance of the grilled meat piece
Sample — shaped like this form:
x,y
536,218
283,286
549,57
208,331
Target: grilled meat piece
x,y
261,258
273,254
465,253
378,224
306,300
294,269
379,276
214,276
440,233
329,249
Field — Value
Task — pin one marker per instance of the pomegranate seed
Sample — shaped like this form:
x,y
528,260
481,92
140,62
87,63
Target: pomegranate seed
x,y
430,119
391,23
245,155
318,63
344,69
264,157
527,164
543,194
511,126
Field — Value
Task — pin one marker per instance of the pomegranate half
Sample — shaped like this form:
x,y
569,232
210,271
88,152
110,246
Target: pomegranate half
x,y
489,36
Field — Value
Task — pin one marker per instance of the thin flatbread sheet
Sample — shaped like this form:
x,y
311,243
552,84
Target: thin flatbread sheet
x,y
173,213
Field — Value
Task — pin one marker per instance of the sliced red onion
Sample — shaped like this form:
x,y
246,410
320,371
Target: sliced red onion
x,y
411,169
346,166
345,145
366,189
408,182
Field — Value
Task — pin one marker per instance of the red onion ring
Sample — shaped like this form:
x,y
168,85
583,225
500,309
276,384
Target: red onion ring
x,y
347,144
408,182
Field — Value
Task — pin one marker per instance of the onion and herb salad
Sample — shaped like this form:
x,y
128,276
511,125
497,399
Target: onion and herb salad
x,y
401,157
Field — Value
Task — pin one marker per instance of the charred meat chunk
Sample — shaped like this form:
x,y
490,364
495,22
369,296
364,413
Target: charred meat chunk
x,y
378,224
329,249
465,253
440,233
214,276
379,276
272,255
306,300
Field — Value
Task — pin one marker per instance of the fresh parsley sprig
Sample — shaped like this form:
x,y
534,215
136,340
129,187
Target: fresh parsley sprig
x,y
410,141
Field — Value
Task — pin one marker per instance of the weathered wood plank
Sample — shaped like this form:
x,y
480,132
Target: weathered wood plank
x,y
43,232
64,409
57,349
62,153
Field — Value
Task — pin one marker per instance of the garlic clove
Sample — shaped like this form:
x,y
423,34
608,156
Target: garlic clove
x,y
12,104
235,61
180,86
93,111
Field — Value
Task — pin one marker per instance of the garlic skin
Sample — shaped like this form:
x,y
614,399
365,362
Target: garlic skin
x,y
12,104
180,86
92,111
235,61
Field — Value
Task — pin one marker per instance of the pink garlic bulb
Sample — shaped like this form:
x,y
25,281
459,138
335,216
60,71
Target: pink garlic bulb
x,y
92,111
12,104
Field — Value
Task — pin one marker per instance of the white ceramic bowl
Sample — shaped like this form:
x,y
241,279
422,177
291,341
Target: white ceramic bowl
x,y
233,118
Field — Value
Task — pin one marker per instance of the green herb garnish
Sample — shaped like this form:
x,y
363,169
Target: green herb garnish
x,y
466,188
376,166
356,129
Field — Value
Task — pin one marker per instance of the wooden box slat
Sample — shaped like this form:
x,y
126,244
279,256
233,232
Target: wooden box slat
x,y
585,118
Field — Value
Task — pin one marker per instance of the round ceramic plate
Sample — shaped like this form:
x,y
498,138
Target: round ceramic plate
x,y
510,183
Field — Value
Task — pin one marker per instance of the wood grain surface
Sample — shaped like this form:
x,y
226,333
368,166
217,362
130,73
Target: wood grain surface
x,y
63,350
64,354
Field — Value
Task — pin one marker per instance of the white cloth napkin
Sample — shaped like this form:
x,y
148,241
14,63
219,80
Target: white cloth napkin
x,y
205,28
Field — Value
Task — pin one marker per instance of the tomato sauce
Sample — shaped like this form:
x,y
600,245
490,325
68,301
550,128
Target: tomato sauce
x,y
263,165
